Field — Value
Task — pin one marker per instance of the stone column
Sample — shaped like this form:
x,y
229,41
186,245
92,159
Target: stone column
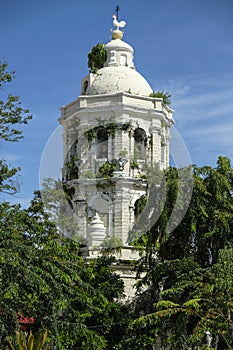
x,y
121,212
110,150
80,211
156,152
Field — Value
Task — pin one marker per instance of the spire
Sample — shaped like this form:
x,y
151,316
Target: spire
x,y
117,11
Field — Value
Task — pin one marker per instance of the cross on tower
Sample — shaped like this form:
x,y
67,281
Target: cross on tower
x,y
117,11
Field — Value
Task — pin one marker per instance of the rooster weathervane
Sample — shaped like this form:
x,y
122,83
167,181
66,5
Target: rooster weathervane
x,y
117,24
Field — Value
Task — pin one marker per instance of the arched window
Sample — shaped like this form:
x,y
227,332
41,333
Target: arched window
x,y
123,60
85,86
102,143
73,149
139,205
140,144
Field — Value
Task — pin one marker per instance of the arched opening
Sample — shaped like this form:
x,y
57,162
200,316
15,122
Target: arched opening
x,y
74,149
139,205
102,144
123,60
140,140
85,86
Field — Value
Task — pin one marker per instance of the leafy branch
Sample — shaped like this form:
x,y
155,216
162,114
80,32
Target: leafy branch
x,y
11,112
166,96
96,58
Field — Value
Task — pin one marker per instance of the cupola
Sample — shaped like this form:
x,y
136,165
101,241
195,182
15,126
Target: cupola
x,y
119,73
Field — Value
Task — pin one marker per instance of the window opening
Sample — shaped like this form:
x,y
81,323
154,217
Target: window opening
x,y
139,144
102,143
123,60
85,86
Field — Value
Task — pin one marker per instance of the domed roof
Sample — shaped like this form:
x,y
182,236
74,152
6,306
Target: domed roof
x,y
118,44
115,79
119,74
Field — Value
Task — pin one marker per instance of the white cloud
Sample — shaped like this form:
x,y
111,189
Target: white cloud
x,y
204,116
202,100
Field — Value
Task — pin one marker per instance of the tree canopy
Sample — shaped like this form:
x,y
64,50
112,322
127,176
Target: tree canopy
x,y
185,235
44,282
12,115
186,294
11,112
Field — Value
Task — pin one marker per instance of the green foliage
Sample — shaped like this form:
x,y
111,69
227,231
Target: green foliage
x,y
96,58
43,277
107,170
57,200
134,164
11,116
44,283
127,126
72,169
11,112
91,134
164,95
8,182
110,128
187,288
140,205
29,343
123,153
111,245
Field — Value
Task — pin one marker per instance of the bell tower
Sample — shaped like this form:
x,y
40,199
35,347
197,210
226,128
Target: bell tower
x,y
112,132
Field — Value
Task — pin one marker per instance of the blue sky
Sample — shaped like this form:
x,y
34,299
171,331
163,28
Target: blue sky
x,y
181,46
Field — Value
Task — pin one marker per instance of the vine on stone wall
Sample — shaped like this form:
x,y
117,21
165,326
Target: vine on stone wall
x,y
140,205
123,153
134,164
110,128
150,140
90,134
107,170
71,168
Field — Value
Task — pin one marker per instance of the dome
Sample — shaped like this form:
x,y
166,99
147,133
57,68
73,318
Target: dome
x,y
118,44
119,73
113,79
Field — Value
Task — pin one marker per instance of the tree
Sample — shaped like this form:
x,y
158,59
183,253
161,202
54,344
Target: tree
x,y
199,302
44,278
8,181
96,58
44,282
187,289
11,112
57,199
11,116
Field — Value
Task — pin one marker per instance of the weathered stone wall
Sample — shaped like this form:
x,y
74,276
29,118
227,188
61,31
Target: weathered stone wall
x,y
121,190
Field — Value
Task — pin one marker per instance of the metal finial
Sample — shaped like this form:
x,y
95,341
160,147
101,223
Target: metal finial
x,y
117,11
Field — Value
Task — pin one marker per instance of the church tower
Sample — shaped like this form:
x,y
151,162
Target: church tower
x,y
112,133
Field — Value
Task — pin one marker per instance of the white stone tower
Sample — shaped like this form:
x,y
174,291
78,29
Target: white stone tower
x,y
112,132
